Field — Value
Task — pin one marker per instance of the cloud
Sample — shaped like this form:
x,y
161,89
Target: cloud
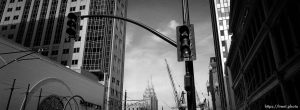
x,y
173,24
129,38
168,30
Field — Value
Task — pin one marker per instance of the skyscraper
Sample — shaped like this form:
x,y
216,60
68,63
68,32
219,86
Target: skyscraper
x,y
222,38
100,48
264,57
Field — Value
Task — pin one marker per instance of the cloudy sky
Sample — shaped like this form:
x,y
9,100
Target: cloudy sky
x,y
145,52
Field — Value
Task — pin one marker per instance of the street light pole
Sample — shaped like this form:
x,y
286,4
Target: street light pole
x,y
19,58
125,100
11,91
191,101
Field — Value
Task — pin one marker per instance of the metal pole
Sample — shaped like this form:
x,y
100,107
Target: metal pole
x,y
27,92
191,101
191,92
11,91
150,103
125,100
38,105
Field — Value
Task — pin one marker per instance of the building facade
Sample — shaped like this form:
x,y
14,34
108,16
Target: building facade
x,y
264,56
100,48
222,39
214,88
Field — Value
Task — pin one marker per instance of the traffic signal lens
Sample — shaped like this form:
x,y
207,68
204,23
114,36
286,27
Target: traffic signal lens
x,y
185,42
71,31
72,16
71,23
184,29
186,52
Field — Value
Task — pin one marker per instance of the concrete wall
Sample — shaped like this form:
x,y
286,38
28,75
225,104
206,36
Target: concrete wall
x,y
52,77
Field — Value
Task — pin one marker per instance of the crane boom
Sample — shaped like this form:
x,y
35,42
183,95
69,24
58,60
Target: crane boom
x,y
176,98
197,97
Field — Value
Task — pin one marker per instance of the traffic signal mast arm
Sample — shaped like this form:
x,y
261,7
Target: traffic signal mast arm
x,y
160,35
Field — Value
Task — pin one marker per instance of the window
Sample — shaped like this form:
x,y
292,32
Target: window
x,y
118,82
18,8
227,22
6,18
72,8
76,50
20,0
223,43
81,27
222,32
82,7
54,52
9,9
64,62
4,28
67,40
113,80
10,36
221,22
65,51
79,38
74,62
16,17
74,0
45,53
12,1
112,91
13,26
219,12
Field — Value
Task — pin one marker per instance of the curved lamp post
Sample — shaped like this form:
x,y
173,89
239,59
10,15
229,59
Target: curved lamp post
x,y
65,98
73,97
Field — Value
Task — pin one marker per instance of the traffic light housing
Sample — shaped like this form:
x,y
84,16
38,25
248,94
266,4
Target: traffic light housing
x,y
73,24
186,50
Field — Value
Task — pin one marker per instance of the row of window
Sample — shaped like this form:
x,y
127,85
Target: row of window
x,y
219,1
16,17
55,52
11,27
11,9
69,39
82,7
114,92
12,1
65,62
114,80
226,22
224,13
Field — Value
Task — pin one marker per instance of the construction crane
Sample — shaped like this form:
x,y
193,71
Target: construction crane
x,y
197,98
176,98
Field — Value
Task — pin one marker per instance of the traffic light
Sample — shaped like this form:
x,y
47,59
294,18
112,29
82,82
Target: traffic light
x,y
186,50
73,25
